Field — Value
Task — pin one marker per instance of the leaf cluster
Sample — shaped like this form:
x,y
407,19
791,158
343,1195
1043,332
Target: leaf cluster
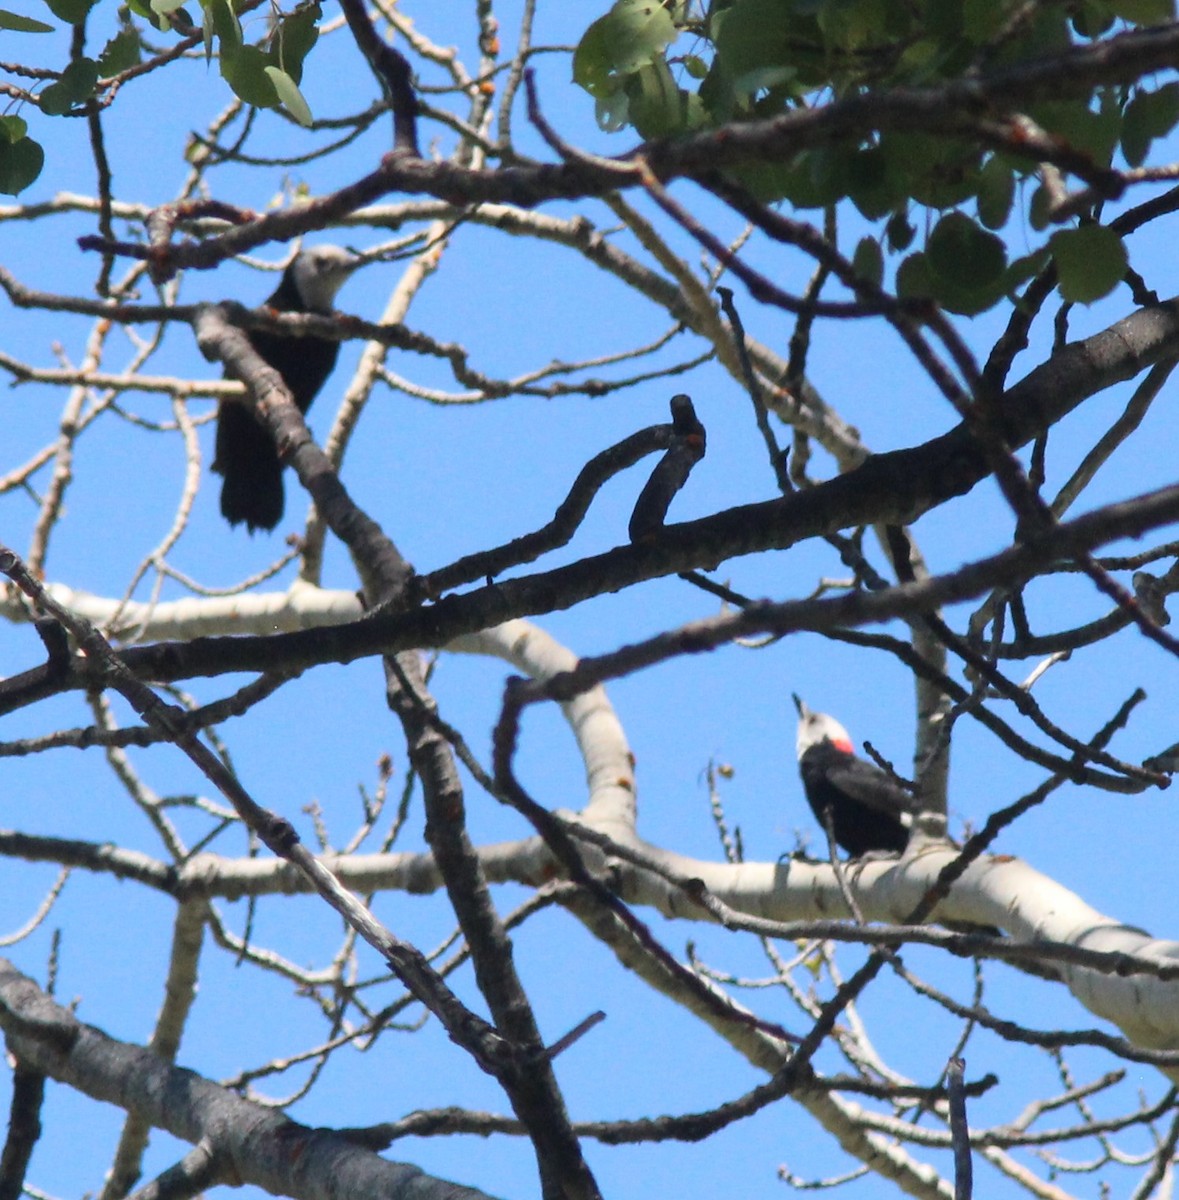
x,y
756,60
265,75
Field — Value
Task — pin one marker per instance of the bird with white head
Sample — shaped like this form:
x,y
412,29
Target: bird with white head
x,y
868,810
246,457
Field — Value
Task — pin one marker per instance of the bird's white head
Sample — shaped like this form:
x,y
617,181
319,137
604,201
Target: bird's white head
x,y
319,272
817,727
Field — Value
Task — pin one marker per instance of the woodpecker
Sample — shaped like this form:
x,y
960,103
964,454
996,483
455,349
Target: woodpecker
x,y
245,455
869,811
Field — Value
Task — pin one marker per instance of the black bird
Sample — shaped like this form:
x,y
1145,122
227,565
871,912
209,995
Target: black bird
x,y
245,455
869,811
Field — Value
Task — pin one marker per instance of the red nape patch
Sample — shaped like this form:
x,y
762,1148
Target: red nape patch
x,y
844,745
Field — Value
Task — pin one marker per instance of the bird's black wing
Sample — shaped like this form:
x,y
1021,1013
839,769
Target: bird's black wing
x,y
871,787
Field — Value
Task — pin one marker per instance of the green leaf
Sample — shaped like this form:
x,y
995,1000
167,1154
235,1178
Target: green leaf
x,y
940,172
245,70
12,129
19,24
1096,133
75,86
900,231
966,265
120,53
1090,262
1022,269
982,19
770,181
1092,18
761,42
72,12
165,13
289,94
142,8
967,301
996,192
944,21
294,37
959,251
657,106
1039,210
1148,116
21,160
696,67
865,25
914,280
829,166
868,260
220,20
622,42
1144,12
870,183
612,111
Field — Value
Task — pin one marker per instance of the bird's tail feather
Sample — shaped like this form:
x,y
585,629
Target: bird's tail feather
x,y
252,489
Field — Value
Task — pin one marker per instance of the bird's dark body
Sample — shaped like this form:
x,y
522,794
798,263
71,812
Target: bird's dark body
x,y
867,808
252,491
869,811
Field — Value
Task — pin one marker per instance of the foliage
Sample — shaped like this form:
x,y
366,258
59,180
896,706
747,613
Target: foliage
x,y
756,60
855,369
264,76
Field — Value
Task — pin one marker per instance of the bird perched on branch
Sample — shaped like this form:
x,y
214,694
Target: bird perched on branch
x,y
246,456
869,810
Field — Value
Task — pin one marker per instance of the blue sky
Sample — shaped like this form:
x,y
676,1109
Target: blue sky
x,y
445,480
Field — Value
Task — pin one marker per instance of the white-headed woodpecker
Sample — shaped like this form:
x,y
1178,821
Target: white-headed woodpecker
x,y
868,809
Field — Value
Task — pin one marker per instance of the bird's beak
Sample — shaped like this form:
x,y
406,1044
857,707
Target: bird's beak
x,y
800,704
359,258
